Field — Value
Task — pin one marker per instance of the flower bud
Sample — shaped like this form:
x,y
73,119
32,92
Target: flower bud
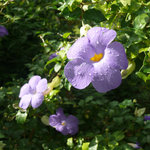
x,y
56,81
45,120
125,73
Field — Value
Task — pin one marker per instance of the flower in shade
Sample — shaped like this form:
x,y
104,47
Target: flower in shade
x,y
3,31
52,56
146,118
96,59
64,124
31,93
136,146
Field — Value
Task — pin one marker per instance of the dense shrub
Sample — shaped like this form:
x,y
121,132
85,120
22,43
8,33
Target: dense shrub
x,y
107,121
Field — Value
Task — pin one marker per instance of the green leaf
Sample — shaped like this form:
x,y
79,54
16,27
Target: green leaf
x,y
94,15
119,135
2,145
70,2
70,142
146,69
139,112
79,1
125,2
74,15
113,144
57,67
51,61
61,8
1,135
21,117
94,144
62,54
148,139
65,35
141,75
126,103
53,93
147,126
140,21
85,146
144,49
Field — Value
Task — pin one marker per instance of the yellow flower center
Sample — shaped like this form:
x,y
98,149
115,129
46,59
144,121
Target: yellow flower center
x,y
97,57
63,123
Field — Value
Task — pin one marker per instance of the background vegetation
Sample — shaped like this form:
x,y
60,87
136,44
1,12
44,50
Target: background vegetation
x,y
38,28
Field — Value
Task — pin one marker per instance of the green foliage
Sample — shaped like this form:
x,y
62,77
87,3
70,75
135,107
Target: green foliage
x,y
39,28
21,117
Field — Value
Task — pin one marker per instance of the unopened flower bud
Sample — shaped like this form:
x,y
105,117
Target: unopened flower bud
x,y
45,120
125,73
56,81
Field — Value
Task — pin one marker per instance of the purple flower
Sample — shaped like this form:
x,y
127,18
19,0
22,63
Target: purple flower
x,y
32,92
96,59
3,31
137,145
52,56
64,124
146,118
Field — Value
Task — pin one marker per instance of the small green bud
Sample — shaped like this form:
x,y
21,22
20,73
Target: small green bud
x,y
56,81
45,120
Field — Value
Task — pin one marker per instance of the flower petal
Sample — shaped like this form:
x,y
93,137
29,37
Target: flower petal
x,y
52,56
34,81
105,78
78,73
42,86
115,56
62,129
37,100
60,113
81,49
25,89
100,37
25,101
54,120
3,31
72,124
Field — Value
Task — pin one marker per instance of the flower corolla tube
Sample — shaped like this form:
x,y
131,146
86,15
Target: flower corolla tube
x,y
31,93
52,56
64,124
96,59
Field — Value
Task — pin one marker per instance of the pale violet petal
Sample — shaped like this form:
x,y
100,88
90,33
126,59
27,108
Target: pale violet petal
x,y
100,37
41,86
79,73
34,81
25,101
105,78
37,100
81,49
54,120
115,56
25,89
